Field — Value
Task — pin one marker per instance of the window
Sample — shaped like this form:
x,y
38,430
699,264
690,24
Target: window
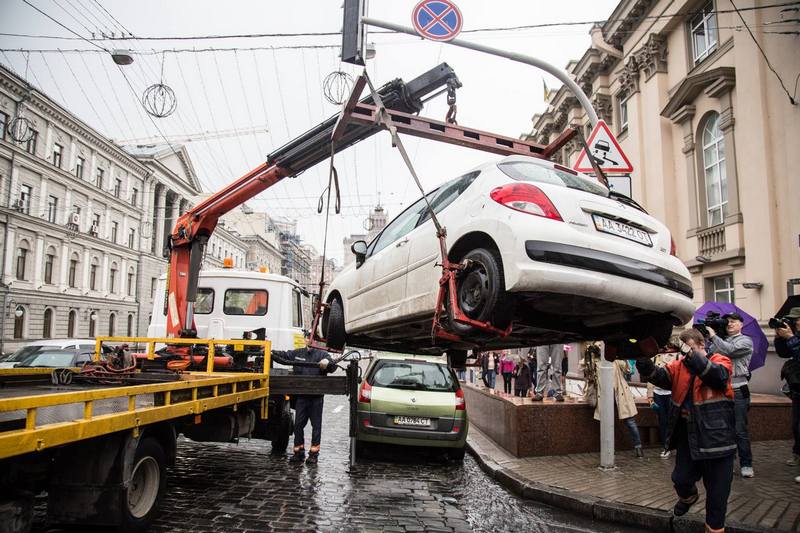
x,y
447,193
19,322
704,32
153,283
98,179
22,259
130,325
131,276
52,208
95,222
251,302
25,195
73,272
400,226
536,173
714,171
297,309
205,301
117,187
134,195
112,279
30,146
72,319
413,375
93,277
131,237
47,325
112,324
3,125
722,289
80,162
623,114
114,229
49,259
58,151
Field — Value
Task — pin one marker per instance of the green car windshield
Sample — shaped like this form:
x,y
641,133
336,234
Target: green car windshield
x,y
413,375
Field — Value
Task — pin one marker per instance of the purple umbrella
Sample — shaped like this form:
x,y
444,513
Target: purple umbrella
x,y
751,329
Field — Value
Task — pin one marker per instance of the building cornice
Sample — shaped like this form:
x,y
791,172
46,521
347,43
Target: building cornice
x,y
625,18
714,82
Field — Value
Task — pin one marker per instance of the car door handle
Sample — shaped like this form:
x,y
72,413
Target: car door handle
x,y
401,243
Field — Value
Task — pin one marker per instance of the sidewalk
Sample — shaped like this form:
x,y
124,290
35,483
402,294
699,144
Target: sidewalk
x,y
639,491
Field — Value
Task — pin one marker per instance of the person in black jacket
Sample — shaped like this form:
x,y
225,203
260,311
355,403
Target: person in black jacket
x,y
307,406
787,346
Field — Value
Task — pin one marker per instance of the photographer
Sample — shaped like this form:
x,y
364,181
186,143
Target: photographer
x,y
701,424
739,349
787,346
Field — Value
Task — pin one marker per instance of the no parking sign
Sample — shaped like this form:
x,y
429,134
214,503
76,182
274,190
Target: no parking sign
x,y
437,20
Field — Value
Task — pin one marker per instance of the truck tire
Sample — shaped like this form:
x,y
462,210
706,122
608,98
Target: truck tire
x,y
146,487
334,327
284,428
480,292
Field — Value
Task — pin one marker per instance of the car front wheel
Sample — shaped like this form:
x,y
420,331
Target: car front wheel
x,y
480,292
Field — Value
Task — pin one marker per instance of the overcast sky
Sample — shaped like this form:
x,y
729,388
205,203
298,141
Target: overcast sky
x,y
280,90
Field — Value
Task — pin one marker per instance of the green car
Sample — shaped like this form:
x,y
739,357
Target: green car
x,y
412,400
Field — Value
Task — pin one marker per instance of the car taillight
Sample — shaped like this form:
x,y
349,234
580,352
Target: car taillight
x,y
526,198
461,405
365,394
673,250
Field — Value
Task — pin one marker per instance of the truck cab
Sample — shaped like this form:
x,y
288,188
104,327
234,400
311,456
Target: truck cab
x,y
232,302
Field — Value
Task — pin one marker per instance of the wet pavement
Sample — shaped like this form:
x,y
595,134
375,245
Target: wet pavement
x,y
240,487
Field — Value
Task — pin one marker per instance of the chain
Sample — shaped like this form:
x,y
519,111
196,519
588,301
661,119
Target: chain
x,y
450,118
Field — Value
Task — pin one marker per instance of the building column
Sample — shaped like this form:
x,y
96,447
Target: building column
x,y
73,157
92,167
123,282
161,219
124,230
10,245
48,142
104,273
144,242
42,198
106,234
62,278
112,176
67,208
38,257
87,261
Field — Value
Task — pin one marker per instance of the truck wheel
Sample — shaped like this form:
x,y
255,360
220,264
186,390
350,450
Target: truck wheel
x,y
283,431
334,326
456,358
480,292
146,487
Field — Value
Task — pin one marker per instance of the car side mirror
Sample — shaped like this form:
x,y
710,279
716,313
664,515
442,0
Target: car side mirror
x,y
359,248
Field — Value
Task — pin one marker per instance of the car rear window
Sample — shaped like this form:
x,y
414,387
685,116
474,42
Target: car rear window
x,y
533,173
413,375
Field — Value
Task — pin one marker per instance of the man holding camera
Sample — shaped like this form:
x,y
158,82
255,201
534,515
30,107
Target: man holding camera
x,y
701,424
739,349
787,346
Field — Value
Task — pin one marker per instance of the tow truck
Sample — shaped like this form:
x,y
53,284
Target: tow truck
x,y
97,440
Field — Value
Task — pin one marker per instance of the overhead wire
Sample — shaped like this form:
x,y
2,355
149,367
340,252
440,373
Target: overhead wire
x,y
88,100
113,18
102,26
55,80
65,26
102,96
81,24
230,110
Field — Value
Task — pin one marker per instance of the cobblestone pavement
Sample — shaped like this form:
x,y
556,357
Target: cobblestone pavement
x,y
235,488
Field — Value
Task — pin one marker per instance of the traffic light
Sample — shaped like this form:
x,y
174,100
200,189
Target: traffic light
x,y
354,34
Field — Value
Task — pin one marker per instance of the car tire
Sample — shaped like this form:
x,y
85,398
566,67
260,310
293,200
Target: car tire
x,y
146,489
334,327
480,292
456,358
456,455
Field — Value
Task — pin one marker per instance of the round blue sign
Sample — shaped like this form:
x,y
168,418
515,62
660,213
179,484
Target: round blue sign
x,y
438,20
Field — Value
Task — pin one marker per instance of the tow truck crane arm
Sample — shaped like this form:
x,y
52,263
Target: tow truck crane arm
x,y
192,230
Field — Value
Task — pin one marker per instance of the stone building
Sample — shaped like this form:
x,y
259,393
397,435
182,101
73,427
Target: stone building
x,y
262,237
711,134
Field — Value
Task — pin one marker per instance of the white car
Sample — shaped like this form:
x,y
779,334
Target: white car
x,y
551,252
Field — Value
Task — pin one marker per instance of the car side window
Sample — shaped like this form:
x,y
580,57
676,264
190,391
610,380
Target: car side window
x,y
448,193
400,226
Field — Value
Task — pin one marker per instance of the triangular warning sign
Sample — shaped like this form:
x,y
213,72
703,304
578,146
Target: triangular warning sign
x,y
606,151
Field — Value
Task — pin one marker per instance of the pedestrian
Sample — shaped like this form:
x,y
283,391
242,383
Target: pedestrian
x,y
787,346
524,377
702,424
307,407
739,349
490,366
548,358
565,368
507,365
623,397
532,365
659,402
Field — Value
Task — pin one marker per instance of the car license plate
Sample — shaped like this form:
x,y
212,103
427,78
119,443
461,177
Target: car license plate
x,y
411,421
626,231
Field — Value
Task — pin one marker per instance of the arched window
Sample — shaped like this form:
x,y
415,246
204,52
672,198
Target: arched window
x,y
19,322
94,268
72,273
112,278
112,324
130,325
714,173
22,260
47,326
49,264
72,320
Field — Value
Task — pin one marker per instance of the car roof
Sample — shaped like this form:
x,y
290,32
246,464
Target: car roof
x,y
440,359
58,342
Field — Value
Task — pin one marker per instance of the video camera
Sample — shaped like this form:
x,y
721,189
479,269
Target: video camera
x,y
783,322
712,320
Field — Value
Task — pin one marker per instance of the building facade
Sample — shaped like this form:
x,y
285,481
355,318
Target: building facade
x,y
712,137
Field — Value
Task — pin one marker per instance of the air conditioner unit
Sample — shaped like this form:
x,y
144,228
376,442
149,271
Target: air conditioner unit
x,y
94,230
75,218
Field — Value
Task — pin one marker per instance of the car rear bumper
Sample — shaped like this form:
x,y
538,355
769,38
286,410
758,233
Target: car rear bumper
x,y
454,437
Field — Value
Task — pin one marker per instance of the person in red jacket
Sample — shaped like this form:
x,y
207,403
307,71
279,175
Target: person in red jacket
x,y
702,424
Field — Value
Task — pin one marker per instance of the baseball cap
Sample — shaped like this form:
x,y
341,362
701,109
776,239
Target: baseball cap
x,y
735,316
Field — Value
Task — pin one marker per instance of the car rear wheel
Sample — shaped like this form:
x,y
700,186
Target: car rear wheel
x,y
480,292
334,325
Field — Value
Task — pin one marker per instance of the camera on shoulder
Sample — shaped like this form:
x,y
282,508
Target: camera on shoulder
x,y
712,320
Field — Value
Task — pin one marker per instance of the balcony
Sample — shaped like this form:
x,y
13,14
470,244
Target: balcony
x,y
711,241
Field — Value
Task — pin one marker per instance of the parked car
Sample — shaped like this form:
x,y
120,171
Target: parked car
x,y
52,347
412,400
546,249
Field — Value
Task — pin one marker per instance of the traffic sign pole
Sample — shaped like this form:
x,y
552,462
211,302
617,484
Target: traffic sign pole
x,y
513,56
